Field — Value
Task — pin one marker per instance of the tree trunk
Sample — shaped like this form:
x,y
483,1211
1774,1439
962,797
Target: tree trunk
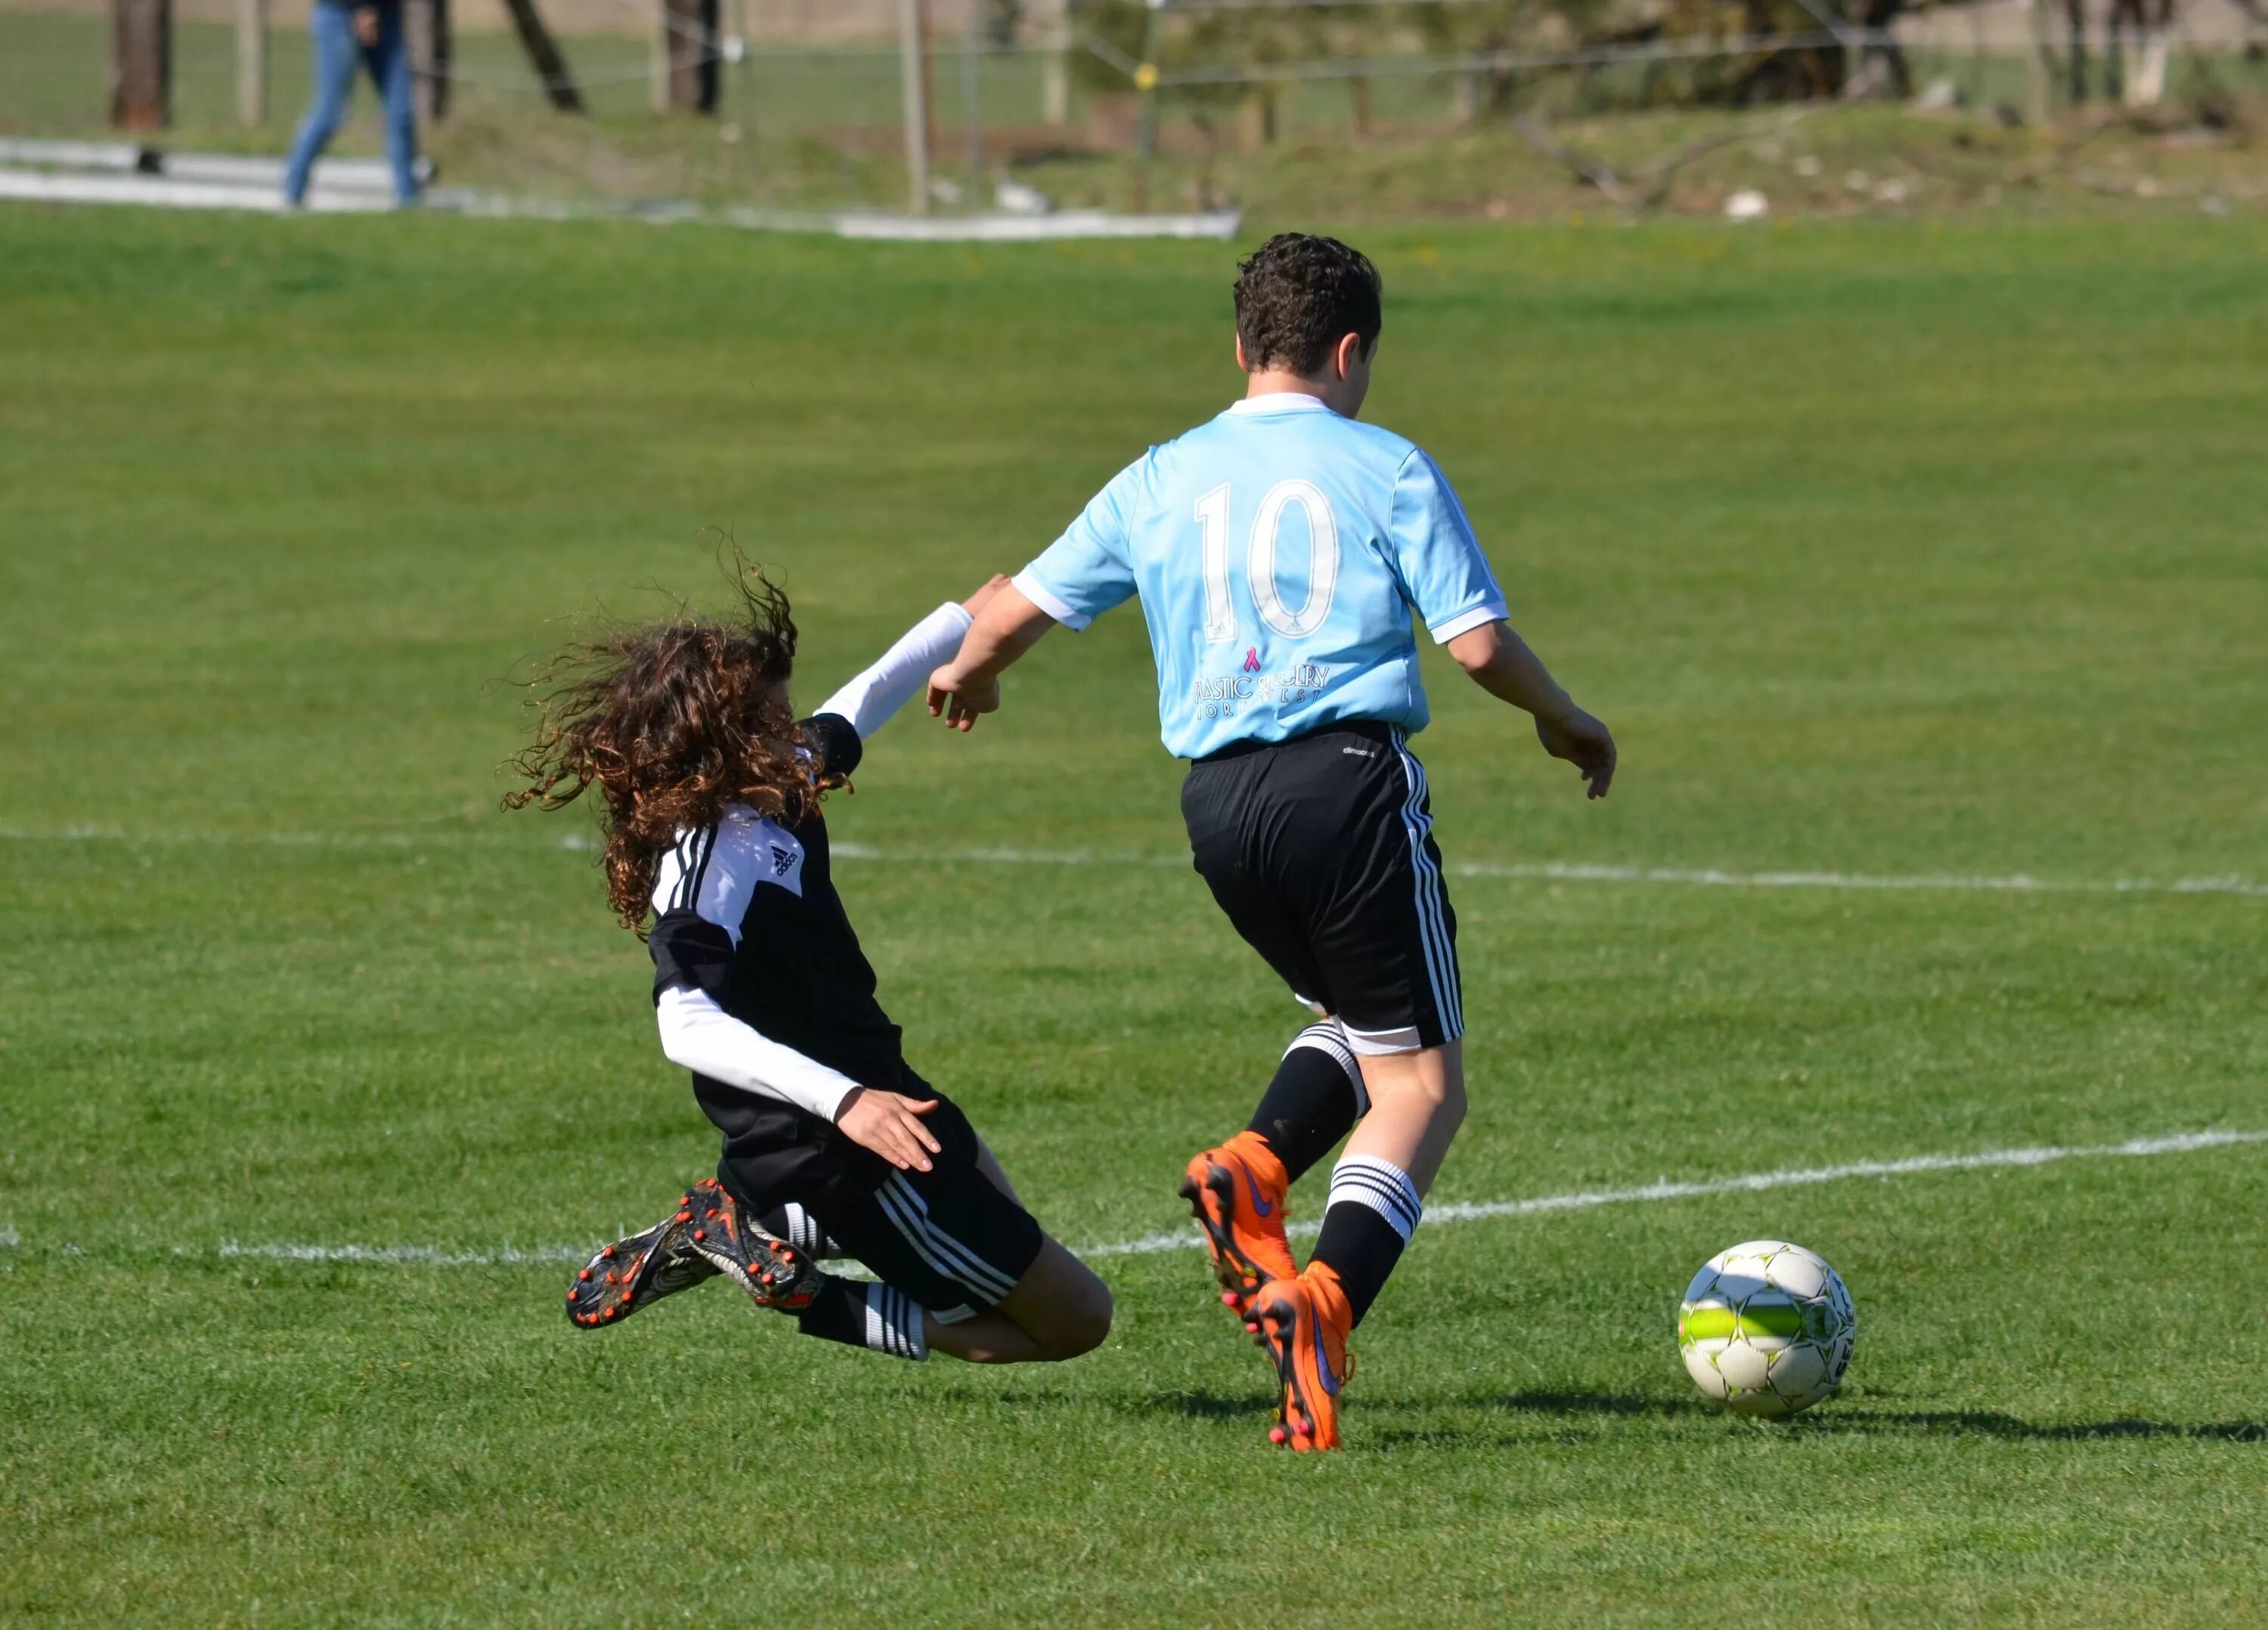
x,y
142,64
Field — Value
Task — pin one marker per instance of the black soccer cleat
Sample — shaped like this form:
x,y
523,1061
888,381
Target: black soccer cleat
x,y
773,1272
629,1273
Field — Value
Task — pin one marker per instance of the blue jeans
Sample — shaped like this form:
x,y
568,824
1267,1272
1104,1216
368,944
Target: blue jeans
x,y
336,50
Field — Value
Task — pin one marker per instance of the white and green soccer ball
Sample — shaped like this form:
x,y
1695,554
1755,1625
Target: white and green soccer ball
x,y
1766,1328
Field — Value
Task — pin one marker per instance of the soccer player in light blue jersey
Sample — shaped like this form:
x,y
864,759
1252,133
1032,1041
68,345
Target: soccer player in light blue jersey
x,y
1279,552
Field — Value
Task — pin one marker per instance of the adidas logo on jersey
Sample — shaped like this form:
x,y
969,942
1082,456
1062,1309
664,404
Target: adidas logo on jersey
x,y
782,860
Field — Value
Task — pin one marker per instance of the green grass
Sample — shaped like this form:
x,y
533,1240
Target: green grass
x,y
1888,549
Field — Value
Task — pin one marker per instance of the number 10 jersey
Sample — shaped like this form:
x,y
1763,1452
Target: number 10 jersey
x,y
1279,551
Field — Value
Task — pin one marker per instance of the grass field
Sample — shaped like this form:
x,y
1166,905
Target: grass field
x,y
1891,552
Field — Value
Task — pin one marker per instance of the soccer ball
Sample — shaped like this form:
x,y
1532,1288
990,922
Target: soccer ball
x,y
1766,1329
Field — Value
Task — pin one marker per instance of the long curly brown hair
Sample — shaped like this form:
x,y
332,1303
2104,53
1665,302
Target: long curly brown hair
x,y
674,722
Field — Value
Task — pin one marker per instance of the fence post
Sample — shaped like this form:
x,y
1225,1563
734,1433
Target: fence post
x,y
913,92
1055,66
252,63
430,50
142,64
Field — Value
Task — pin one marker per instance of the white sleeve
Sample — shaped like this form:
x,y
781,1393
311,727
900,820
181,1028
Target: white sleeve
x,y
869,700
702,1037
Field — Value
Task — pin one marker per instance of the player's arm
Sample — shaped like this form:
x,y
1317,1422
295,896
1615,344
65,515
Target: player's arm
x,y
837,733
699,1035
1500,662
1008,625
1447,577
1077,578
696,946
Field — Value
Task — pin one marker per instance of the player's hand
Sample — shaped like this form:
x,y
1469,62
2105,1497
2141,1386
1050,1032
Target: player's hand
x,y
974,603
890,1125
1584,742
957,701
366,24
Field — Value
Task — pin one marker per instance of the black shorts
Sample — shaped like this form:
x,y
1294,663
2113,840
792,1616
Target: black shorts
x,y
1321,850
945,1237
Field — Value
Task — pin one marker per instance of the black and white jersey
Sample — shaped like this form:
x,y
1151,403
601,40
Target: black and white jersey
x,y
746,911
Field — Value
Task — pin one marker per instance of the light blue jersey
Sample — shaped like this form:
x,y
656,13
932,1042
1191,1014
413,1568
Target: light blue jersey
x,y
1279,551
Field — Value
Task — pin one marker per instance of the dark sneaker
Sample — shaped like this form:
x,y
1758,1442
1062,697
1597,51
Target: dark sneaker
x,y
773,1272
629,1273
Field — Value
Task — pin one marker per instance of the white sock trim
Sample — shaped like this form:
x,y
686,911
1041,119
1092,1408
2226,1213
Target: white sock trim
x,y
1330,1037
1365,1180
893,1324
805,1233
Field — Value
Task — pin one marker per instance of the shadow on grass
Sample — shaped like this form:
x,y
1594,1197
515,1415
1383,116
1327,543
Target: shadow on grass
x,y
1846,1421
1989,1423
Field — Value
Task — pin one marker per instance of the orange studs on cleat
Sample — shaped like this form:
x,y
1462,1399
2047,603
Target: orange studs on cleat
x,y
584,1275
609,1253
1277,1434
685,1216
609,1313
700,1234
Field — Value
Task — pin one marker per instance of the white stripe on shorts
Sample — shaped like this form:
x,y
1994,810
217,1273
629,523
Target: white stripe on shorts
x,y
908,1212
1432,900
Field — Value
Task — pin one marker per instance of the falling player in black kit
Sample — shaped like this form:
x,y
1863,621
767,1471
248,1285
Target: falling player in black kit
x,y
832,1144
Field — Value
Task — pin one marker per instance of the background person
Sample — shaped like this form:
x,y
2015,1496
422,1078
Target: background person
x,y
373,32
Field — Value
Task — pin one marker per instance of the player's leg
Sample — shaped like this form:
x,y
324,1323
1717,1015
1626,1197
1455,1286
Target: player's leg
x,y
964,1269
1362,867
1237,1190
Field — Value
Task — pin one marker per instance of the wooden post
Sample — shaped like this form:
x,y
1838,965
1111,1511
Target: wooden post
x,y
558,80
252,63
142,64
433,56
689,43
913,93
1055,67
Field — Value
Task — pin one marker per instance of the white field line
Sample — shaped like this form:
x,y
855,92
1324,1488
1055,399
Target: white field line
x,y
1545,870
1446,1212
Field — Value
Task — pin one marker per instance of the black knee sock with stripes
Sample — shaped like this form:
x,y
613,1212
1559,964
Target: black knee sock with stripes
x,y
800,1228
1314,1100
873,1317
1372,1212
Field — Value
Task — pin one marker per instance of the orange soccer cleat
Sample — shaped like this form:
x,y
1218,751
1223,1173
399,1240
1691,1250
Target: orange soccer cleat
x,y
1237,1194
1304,1323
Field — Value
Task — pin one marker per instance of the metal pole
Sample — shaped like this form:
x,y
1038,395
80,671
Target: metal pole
x,y
914,96
252,63
1145,132
972,121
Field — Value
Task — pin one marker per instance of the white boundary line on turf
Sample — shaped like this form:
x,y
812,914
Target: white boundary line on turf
x,y
1542,871
1576,871
1451,1211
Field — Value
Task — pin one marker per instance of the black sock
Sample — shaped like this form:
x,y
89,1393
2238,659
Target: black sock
x,y
1373,1210
800,1228
1314,1100
873,1317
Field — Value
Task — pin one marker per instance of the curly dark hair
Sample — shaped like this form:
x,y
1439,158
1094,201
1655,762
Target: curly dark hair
x,y
1300,295
674,722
